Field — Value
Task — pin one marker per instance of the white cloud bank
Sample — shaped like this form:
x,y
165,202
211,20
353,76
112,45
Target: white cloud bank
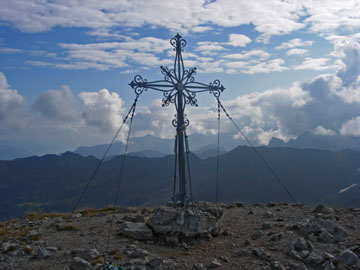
x,y
269,17
327,105
12,105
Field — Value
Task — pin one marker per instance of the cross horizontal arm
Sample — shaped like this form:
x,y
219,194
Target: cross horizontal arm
x,y
139,85
216,87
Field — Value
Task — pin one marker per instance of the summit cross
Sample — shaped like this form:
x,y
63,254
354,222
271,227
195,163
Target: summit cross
x,y
179,87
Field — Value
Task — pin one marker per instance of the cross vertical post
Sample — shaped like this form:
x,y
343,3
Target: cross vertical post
x,y
178,87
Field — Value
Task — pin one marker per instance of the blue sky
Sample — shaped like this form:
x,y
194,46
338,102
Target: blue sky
x,y
288,67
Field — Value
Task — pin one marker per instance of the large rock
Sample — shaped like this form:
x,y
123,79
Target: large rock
x,y
137,230
170,222
326,230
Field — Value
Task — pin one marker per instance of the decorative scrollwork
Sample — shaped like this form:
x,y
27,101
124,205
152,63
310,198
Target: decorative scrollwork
x,y
169,74
216,88
165,102
190,98
178,43
169,97
175,121
188,74
174,86
138,84
186,122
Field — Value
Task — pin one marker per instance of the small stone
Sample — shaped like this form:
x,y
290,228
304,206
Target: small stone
x,y
8,246
224,259
98,266
268,214
329,257
314,259
293,227
86,254
304,254
266,226
326,237
256,235
28,249
80,264
214,264
277,266
154,263
42,254
77,215
294,254
301,244
327,266
172,239
180,218
276,237
321,209
239,204
198,266
242,252
261,253
347,258
139,253
185,245
271,204
310,227
52,249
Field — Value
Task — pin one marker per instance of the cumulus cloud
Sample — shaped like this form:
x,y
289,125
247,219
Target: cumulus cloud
x,y
349,51
155,120
320,130
58,105
351,127
238,40
102,109
326,105
12,105
57,119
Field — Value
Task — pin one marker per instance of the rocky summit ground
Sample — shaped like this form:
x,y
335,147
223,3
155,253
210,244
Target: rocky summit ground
x,y
272,236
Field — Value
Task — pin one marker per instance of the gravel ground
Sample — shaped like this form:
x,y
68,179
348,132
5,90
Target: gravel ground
x,y
48,241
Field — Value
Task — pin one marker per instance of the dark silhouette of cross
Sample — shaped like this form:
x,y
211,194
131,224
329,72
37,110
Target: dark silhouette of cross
x,y
179,87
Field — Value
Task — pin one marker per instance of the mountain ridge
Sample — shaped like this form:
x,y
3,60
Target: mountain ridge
x,y
54,182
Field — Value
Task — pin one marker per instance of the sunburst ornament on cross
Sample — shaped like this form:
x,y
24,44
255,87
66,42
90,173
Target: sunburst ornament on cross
x,y
179,87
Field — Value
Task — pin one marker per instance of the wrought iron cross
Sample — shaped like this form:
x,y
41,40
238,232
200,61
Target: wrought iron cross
x,y
178,87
